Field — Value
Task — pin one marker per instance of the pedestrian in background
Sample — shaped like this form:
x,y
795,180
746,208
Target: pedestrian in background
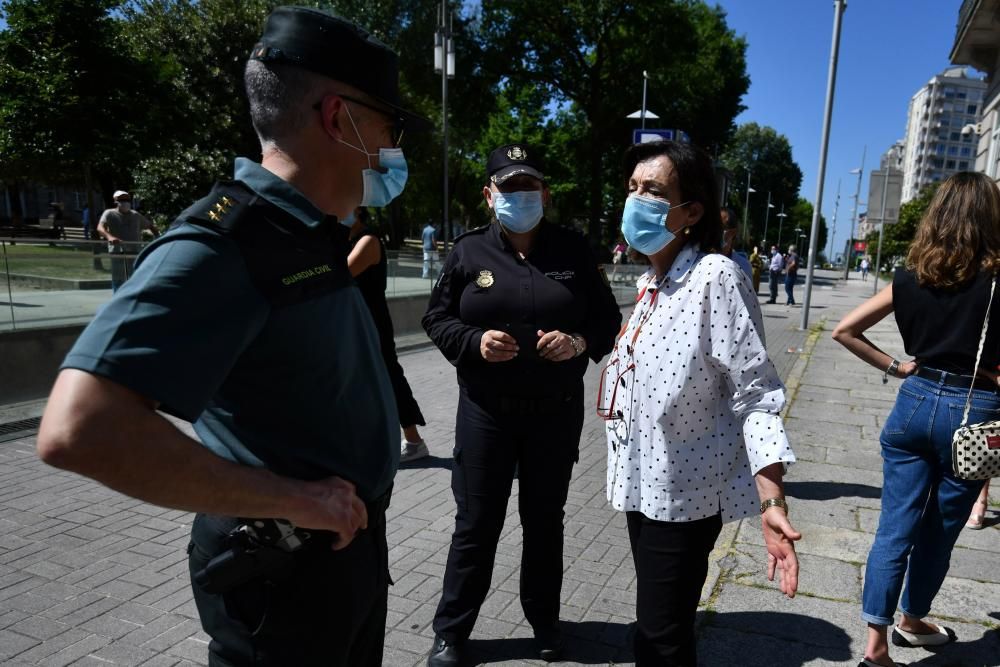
x,y
428,240
520,307
939,299
864,268
730,234
368,264
692,403
774,272
791,273
618,257
244,320
122,228
756,267
85,221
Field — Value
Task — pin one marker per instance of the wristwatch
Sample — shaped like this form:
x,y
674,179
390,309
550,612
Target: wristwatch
x,y
773,502
578,344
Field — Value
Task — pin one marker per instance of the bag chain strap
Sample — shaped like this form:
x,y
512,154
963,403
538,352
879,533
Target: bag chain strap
x,y
979,355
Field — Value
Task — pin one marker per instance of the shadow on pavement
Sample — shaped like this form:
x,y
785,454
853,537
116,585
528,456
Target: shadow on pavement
x,y
778,638
18,304
830,490
586,643
982,651
427,462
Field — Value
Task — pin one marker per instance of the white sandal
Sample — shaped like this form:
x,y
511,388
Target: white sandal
x,y
906,639
977,520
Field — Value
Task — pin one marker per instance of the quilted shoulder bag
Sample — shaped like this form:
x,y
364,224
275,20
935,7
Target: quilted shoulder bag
x,y
975,449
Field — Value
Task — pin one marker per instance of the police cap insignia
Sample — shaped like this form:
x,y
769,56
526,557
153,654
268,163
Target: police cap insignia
x,y
513,159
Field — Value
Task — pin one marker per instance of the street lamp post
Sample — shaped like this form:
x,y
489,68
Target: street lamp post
x,y
881,228
781,215
645,79
833,225
831,81
860,171
746,204
767,215
444,62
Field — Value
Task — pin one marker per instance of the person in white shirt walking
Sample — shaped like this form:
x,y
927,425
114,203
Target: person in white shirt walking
x,y
428,240
691,401
777,264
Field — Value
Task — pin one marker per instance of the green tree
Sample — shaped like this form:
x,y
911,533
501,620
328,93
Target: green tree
x,y
204,45
798,222
70,102
768,156
590,56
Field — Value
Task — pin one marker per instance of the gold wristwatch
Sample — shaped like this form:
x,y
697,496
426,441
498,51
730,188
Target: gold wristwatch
x,y
773,502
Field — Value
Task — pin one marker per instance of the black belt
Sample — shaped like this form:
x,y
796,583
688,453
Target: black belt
x,y
955,380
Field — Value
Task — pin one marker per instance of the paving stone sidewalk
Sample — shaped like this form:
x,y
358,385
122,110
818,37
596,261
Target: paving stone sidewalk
x,y
90,577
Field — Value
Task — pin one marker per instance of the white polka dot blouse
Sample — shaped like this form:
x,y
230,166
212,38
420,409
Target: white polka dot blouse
x,y
692,400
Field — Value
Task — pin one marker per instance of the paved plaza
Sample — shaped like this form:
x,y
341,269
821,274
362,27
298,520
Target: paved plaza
x,y
90,577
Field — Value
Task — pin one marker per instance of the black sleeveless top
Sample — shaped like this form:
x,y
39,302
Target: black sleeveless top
x,y
941,327
373,282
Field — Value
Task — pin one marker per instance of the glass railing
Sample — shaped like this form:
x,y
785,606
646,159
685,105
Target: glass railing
x,y
46,283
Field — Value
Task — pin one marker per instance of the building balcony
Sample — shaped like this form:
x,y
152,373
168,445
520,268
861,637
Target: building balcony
x,y
977,35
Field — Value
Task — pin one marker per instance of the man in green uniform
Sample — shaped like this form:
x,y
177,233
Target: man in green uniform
x,y
243,320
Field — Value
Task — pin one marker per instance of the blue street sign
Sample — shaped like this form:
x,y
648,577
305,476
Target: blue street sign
x,y
647,135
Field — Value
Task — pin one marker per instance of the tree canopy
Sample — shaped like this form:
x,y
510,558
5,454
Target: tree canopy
x,y
149,94
767,156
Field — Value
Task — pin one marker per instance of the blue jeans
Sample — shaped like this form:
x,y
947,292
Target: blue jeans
x,y
924,506
789,285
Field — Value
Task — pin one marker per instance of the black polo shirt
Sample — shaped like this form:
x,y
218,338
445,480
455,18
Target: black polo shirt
x,y
485,285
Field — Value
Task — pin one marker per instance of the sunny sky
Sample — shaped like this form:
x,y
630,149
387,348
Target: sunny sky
x,y
888,50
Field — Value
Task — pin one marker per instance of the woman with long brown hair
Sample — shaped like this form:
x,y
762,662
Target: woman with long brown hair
x,y
939,299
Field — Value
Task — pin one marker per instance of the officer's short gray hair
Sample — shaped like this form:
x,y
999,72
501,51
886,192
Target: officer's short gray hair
x,y
281,98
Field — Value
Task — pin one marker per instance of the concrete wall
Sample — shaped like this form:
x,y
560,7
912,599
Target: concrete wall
x,y
29,360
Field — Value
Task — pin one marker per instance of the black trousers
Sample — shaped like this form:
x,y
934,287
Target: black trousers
x,y
773,279
493,438
671,563
325,608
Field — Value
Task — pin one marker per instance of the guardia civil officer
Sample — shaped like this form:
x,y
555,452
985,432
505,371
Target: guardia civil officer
x,y
519,307
243,319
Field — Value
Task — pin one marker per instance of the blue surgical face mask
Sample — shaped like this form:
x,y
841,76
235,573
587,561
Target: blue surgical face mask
x,y
644,223
348,221
519,212
380,188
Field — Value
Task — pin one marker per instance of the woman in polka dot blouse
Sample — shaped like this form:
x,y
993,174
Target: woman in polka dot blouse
x,y
691,400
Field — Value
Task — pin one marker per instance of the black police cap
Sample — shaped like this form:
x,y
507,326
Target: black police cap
x,y
514,159
334,47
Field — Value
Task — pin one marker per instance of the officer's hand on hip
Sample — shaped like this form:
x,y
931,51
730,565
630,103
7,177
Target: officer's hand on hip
x,y
332,504
497,346
555,346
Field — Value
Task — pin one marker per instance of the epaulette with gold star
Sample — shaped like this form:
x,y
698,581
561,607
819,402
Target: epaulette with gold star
x,y
221,208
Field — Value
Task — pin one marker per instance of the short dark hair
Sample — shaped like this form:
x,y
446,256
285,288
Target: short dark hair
x,y
281,98
696,178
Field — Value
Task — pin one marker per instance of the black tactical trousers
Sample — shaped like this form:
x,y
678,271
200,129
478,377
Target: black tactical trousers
x,y
324,608
495,437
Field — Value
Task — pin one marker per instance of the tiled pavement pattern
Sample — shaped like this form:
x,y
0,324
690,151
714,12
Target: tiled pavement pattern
x,y
89,577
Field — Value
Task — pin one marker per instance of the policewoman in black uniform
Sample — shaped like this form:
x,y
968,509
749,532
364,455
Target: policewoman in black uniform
x,y
519,307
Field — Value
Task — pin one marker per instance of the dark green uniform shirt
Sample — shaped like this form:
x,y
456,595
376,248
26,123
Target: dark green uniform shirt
x,y
300,389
